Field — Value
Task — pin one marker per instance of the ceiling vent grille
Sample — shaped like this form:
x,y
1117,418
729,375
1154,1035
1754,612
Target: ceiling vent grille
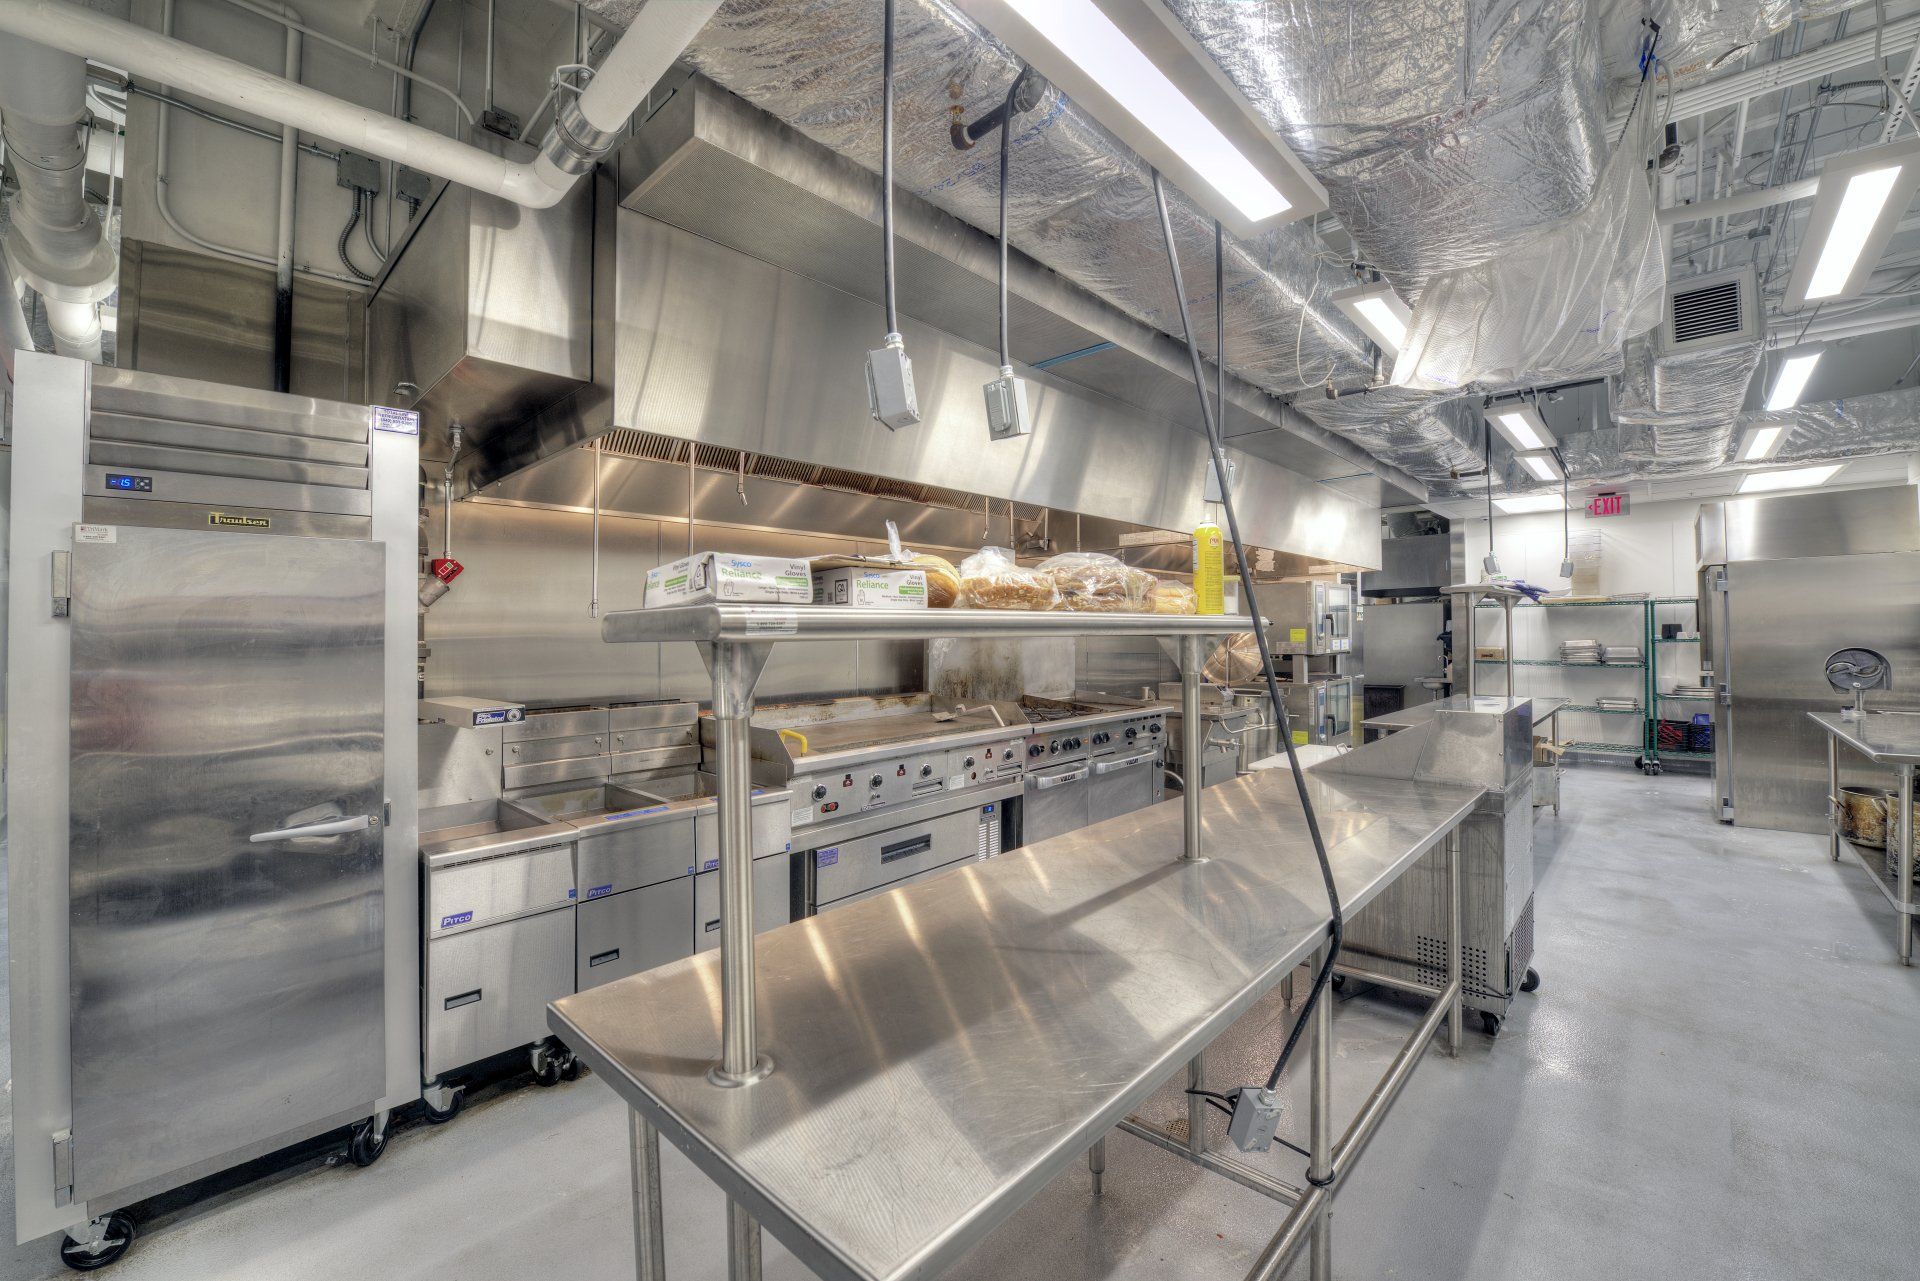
x,y
1712,311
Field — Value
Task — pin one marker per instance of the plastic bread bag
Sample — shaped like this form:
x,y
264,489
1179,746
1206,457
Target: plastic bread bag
x,y
991,579
1095,582
1171,597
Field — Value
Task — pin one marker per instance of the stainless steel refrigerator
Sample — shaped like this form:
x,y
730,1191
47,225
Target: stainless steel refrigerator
x,y
1784,582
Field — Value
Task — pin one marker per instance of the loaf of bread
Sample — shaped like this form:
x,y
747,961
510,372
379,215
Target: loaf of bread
x,y
991,579
943,580
1097,583
1171,597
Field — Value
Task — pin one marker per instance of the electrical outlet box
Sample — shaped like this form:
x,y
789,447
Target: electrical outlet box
x,y
411,184
498,121
890,391
1007,413
1212,493
1256,1116
358,171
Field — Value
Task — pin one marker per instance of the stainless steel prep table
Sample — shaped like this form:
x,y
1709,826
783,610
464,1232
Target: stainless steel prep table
x,y
1885,738
1546,711
945,1050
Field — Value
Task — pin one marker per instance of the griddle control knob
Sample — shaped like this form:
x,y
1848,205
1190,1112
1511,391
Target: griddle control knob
x,y
1154,728
876,781
1132,733
1008,754
926,771
819,791
969,763
1033,750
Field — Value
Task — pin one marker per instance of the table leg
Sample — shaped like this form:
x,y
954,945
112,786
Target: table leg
x,y
1196,1105
1903,866
1454,1011
743,1245
649,1225
1320,1090
1833,798
1097,1165
1321,1244
1193,661
735,669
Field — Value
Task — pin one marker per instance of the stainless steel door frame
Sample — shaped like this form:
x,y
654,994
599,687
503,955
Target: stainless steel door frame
x,y
226,856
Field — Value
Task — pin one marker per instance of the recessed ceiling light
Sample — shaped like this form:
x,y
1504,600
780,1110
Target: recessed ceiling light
x,y
1862,197
1133,67
1758,443
1795,368
1762,482
1530,503
1379,311
1542,464
1521,425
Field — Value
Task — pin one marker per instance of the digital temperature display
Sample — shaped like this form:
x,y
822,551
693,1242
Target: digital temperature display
x,y
130,484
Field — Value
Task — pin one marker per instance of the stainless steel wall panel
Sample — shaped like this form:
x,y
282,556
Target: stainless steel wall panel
x,y
1403,645
1850,522
719,347
1783,618
224,686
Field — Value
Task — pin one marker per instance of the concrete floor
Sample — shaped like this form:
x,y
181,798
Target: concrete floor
x,y
1715,1081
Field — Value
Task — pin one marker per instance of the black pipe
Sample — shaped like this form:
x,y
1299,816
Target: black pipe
x,y
886,167
1006,114
1219,456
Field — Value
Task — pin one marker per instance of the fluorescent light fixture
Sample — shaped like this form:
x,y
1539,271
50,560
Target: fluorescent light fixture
x,y
1379,311
1758,443
1520,503
1795,368
1862,196
1132,66
1521,425
1764,482
1542,465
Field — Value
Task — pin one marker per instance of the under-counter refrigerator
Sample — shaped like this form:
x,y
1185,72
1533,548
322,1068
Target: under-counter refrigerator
x,y
1784,582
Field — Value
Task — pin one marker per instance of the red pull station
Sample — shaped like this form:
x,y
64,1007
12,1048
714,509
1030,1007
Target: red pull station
x,y
445,568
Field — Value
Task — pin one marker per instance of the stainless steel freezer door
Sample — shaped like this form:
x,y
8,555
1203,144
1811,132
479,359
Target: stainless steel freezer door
x,y
226,969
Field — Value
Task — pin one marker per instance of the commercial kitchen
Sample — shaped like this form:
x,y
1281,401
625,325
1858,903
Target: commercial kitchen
x,y
878,640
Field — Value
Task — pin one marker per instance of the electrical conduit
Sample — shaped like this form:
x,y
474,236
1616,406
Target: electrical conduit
x,y
56,244
585,130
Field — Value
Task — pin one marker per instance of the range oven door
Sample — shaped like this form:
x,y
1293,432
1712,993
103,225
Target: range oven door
x,y
1122,782
1055,802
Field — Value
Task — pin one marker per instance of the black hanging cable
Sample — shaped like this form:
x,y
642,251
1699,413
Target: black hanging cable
x,y
1006,133
1218,454
886,167
346,233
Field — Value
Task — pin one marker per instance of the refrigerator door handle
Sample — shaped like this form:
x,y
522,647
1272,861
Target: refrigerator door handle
x,y
332,827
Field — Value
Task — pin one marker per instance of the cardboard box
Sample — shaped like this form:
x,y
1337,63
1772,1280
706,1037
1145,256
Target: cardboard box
x,y
1491,653
871,588
728,577
1548,752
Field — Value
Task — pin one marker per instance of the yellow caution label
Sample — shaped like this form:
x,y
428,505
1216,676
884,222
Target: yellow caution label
x,y
222,520
1299,738
1298,635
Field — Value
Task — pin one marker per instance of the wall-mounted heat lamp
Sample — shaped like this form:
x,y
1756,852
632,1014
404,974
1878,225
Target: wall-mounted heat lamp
x,y
1378,311
1132,66
1862,197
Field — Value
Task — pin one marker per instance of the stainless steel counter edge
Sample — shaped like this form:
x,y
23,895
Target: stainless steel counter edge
x,y
1847,731
939,1251
471,849
763,623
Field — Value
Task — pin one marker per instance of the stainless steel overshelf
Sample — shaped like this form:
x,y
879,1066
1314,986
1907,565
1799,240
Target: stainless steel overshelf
x,y
944,1050
1885,738
750,624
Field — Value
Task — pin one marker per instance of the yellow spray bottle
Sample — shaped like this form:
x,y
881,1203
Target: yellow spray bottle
x,y
1209,568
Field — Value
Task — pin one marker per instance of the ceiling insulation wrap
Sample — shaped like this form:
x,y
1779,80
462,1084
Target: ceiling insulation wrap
x,y
1430,435
1081,203
1675,410
1443,130
1557,306
1886,422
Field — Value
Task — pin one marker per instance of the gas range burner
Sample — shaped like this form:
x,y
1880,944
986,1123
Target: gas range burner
x,y
1044,711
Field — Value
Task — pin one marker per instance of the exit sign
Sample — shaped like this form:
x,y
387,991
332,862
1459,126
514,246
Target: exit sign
x,y
1606,505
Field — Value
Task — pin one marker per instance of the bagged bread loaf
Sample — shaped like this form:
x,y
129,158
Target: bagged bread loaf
x,y
943,580
1097,583
990,579
1171,597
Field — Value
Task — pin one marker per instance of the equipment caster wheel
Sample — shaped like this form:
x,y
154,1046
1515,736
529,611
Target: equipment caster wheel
x,y
367,1144
1338,983
1531,983
570,1070
115,1239
456,1099
1490,1023
553,1063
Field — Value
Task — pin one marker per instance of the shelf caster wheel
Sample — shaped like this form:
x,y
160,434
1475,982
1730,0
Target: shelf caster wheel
x,y
443,1103
1531,983
1490,1022
553,1063
108,1240
368,1144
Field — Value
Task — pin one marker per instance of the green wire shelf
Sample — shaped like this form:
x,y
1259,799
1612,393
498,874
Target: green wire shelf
x,y
1554,662
1610,749
1603,711
1683,754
